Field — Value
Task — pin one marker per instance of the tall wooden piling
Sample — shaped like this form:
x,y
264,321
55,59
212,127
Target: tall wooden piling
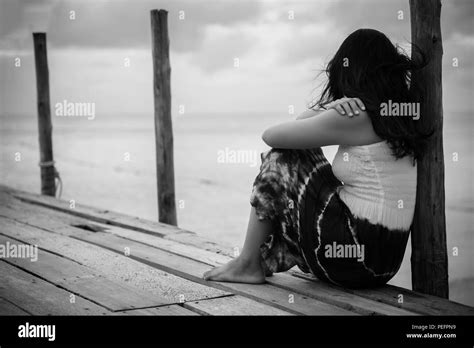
x,y
48,186
163,124
429,260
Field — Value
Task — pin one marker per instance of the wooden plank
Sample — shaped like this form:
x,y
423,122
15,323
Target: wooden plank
x,y
44,238
412,301
53,268
39,297
27,213
320,290
207,257
189,251
8,308
40,236
333,295
233,305
91,213
415,301
84,281
76,250
116,267
117,219
193,270
61,222
163,310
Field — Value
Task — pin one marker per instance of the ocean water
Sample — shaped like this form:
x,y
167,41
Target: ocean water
x,y
109,162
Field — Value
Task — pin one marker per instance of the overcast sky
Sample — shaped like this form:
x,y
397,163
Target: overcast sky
x,y
279,57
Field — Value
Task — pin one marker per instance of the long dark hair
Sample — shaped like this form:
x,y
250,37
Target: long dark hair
x,y
368,66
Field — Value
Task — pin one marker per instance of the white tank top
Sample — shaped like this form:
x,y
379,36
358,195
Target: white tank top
x,y
377,186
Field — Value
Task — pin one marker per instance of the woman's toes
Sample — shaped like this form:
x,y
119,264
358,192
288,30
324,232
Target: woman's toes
x,y
235,272
212,274
207,274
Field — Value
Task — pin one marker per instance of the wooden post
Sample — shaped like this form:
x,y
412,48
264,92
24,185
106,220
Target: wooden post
x,y
163,125
429,260
48,186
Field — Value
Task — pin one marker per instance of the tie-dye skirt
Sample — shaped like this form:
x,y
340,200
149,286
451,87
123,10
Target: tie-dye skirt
x,y
312,227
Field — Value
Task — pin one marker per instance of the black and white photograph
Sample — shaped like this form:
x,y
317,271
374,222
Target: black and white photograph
x,y
225,171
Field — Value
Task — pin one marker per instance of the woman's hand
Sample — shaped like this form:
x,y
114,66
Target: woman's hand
x,y
347,106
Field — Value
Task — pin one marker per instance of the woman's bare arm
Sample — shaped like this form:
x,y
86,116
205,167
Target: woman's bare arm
x,y
308,113
326,128
345,106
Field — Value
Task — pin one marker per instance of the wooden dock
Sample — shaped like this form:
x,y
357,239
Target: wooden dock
x,y
97,262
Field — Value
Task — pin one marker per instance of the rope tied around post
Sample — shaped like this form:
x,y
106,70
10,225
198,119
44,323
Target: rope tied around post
x,y
58,181
46,164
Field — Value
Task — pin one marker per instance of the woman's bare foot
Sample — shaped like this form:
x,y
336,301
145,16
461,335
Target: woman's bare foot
x,y
237,271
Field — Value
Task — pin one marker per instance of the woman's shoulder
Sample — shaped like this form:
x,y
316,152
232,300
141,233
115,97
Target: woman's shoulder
x,y
364,133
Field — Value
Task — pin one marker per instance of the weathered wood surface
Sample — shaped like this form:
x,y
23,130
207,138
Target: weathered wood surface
x,y
163,123
8,308
150,261
45,127
413,301
429,260
122,220
233,305
163,310
39,297
118,267
193,270
83,281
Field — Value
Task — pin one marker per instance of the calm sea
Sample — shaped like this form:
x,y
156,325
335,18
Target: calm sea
x,y
109,162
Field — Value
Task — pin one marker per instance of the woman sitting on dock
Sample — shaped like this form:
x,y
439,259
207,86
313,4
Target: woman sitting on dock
x,y
347,224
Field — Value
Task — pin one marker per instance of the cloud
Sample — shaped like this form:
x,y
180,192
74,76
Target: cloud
x,y
279,57
456,18
220,46
320,27
112,24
